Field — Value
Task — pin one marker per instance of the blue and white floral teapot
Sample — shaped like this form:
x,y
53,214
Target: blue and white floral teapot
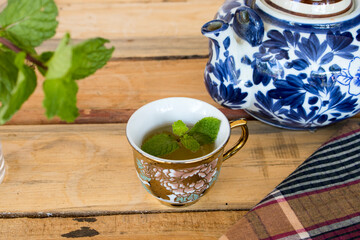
x,y
290,63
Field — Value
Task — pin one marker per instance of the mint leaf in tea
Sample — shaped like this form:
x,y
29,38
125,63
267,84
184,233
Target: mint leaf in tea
x,y
179,128
177,142
160,144
205,131
190,143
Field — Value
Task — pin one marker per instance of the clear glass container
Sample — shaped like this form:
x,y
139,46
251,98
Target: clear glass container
x,y
2,165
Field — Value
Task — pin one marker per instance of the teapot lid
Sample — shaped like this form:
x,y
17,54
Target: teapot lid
x,y
312,8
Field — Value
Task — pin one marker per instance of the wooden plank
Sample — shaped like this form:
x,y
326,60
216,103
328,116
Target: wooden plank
x,y
188,225
36,116
116,20
149,47
139,29
114,92
54,169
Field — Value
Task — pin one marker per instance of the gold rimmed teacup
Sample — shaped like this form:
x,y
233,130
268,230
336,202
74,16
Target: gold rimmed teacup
x,y
180,182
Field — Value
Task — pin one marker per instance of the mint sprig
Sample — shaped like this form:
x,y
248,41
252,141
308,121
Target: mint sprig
x,y
28,23
203,132
25,25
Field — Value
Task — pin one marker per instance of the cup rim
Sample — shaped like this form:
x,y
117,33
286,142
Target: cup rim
x,y
183,161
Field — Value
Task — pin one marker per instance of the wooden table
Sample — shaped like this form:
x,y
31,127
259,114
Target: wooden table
x,y
78,180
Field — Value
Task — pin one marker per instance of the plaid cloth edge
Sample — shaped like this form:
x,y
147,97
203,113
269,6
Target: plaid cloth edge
x,y
319,200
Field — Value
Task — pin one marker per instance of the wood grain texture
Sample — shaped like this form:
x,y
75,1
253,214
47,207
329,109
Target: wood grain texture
x,y
155,47
116,20
88,169
188,225
114,92
139,28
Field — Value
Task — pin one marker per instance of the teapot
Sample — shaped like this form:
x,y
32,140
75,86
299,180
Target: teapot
x,y
290,63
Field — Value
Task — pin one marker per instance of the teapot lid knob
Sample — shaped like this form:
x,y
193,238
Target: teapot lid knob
x,y
312,8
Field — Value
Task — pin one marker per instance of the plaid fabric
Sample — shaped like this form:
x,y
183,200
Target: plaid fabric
x,y
319,200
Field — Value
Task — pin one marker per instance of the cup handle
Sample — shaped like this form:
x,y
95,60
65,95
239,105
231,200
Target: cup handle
x,y
242,140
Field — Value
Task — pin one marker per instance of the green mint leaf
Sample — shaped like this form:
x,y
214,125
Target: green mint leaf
x,y
179,128
67,64
12,39
21,91
59,88
205,131
44,58
90,56
190,143
28,23
8,75
160,144
60,64
60,98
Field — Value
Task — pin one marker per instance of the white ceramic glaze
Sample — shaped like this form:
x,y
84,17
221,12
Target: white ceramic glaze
x,y
321,8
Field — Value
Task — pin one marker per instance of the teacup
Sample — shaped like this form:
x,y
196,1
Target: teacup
x,y
180,182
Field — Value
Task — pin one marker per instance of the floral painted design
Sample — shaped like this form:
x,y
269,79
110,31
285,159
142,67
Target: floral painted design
x,y
308,50
322,96
227,74
294,77
300,100
177,186
351,77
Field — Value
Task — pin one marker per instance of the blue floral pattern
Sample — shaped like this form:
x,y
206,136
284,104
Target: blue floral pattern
x,y
285,103
351,77
307,50
224,69
299,79
358,35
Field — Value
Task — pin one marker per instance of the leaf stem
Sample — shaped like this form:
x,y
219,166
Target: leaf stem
x,y
16,49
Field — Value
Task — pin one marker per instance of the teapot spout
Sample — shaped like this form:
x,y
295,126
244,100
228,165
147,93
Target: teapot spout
x,y
213,28
226,71
219,34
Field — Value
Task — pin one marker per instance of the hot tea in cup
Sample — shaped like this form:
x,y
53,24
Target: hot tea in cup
x,y
182,181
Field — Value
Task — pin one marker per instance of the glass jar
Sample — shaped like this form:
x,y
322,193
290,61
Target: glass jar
x,y
2,165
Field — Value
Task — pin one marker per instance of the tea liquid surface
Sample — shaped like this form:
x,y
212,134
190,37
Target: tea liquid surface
x,y
181,153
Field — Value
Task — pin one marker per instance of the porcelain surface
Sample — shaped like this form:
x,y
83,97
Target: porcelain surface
x,y
289,71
